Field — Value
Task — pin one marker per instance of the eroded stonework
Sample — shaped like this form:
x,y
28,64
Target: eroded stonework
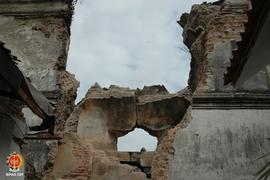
x,y
106,114
37,33
206,131
216,144
211,32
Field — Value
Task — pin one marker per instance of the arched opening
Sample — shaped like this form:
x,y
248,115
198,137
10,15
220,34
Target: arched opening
x,y
136,141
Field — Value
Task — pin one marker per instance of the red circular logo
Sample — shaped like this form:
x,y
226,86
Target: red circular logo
x,y
14,161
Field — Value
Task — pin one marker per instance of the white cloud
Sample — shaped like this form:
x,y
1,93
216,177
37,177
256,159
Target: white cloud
x,y
139,138
129,43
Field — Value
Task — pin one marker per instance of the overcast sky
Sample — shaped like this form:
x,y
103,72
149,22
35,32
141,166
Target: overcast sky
x,y
130,43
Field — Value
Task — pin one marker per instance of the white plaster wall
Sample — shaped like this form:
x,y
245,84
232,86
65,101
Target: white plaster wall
x,y
221,144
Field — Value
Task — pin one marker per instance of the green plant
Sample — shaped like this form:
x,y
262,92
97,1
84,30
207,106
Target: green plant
x,y
264,172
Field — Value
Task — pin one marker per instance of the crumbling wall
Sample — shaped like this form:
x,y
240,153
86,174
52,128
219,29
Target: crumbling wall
x,y
221,144
37,32
228,128
11,125
106,114
116,111
217,137
211,32
165,150
143,160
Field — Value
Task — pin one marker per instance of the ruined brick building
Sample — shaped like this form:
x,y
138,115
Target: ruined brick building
x,y
215,128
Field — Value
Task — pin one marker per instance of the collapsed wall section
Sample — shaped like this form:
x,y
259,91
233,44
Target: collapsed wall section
x,y
211,32
106,114
37,32
217,137
228,128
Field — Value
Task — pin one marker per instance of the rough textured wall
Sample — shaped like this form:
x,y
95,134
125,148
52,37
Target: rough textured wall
x,y
218,137
11,124
165,150
221,144
117,111
228,128
37,32
106,114
211,32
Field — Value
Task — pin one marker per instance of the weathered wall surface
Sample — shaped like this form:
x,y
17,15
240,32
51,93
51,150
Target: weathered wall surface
x,y
116,111
85,161
221,144
11,124
165,150
39,39
211,32
218,137
37,32
106,114
228,128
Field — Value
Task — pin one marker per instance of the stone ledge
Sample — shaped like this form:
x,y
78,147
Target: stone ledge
x,y
144,158
235,100
35,7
